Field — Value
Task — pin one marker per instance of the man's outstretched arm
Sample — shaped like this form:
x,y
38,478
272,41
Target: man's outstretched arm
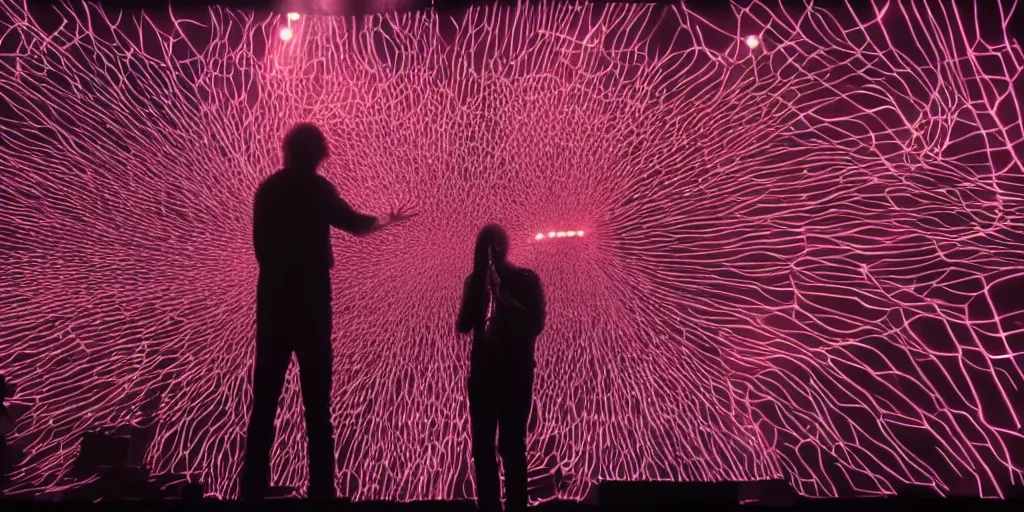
x,y
345,218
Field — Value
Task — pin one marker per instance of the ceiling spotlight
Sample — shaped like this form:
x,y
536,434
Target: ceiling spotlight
x,y
293,16
287,34
753,42
579,233
540,236
551,234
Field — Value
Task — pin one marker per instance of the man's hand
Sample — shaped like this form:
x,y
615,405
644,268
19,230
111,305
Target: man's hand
x,y
400,214
397,215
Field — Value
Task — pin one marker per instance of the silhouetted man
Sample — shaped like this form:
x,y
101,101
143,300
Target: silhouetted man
x,y
292,216
503,306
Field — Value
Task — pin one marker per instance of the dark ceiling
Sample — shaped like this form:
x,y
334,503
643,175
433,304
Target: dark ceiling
x,y
361,7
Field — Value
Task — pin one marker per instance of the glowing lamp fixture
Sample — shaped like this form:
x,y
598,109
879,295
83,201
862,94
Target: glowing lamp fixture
x,y
287,34
559,234
293,16
753,42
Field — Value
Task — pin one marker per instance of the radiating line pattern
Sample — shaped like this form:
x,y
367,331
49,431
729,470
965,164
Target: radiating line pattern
x,y
802,254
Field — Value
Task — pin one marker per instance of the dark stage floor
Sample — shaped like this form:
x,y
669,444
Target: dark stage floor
x,y
302,505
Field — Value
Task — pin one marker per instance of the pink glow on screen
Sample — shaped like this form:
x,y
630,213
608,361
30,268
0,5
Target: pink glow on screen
x,y
804,266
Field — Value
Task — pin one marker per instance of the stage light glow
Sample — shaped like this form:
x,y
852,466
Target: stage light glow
x,y
558,234
795,299
293,16
753,42
287,33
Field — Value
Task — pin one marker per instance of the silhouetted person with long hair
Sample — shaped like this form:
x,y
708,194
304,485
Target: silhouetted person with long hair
x,y
294,211
503,307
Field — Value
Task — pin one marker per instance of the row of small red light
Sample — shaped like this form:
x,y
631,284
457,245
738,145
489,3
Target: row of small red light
x,y
559,234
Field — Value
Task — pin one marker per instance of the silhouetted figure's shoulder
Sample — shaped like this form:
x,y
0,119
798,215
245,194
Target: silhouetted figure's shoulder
x,y
284,181
526,288
524,277
528,275
325,187
275,180
293,214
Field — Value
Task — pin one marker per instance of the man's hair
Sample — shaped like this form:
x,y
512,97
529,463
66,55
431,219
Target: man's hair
x,y
304,146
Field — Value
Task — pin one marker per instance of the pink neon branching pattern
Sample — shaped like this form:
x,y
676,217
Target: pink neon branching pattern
x,y
803,256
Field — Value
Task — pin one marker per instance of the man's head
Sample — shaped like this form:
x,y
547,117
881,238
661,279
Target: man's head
x,y
304,147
